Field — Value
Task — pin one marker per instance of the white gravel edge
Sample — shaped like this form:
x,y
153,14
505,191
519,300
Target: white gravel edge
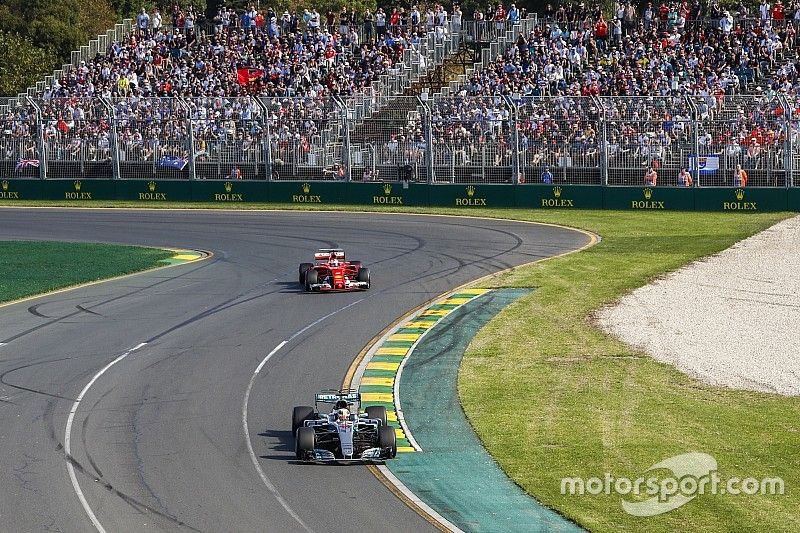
x,y
732,319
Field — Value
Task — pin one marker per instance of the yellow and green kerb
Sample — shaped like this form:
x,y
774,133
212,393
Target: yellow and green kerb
x,y
377,385
184,256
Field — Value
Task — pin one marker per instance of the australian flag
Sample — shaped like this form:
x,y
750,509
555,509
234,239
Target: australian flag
x,y
172,161
23,163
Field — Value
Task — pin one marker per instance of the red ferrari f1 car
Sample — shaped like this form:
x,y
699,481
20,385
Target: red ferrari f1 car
x,y
331,272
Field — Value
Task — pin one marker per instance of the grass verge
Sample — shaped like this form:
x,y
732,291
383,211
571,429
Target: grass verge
x,y
35,267
552,396
574,401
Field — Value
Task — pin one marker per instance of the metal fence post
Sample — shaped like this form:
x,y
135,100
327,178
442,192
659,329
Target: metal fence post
x,y
696,140
790,149
603,141
788,157
513,124
40,139
268,147
348,169
115,172
190,129
426,129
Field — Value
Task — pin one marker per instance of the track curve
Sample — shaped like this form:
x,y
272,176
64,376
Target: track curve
x,y
157,442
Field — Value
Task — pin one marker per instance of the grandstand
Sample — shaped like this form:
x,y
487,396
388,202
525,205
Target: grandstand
x,y
585,97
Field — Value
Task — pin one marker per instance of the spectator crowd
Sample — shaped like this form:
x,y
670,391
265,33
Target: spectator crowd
x,y
580,85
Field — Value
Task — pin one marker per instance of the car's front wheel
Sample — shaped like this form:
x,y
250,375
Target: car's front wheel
x,y
312,276
387,440
304,442
304,267
363,276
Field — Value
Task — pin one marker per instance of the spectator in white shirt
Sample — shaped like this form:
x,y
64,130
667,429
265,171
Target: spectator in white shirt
x,y
155,21
766,10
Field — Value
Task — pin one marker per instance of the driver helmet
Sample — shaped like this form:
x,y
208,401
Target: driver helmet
x,y
342,415
334,262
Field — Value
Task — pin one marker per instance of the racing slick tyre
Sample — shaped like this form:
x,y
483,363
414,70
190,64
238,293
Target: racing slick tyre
x,y
363,275
377,412
299,415
312,276
303,269
386,439
304,443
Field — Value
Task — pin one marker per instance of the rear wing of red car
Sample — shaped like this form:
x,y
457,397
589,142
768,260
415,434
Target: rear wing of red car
x,y
326,254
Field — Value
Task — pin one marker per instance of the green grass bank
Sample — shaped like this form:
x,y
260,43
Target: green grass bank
x,y
28,268
575,402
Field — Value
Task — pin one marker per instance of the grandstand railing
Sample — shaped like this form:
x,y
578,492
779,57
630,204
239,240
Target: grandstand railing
x,y
611,141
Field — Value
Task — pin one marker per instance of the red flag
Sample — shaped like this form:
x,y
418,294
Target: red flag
x,y
62,126
249,75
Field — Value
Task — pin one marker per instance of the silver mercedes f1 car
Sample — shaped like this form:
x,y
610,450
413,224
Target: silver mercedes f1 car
x,y
345,434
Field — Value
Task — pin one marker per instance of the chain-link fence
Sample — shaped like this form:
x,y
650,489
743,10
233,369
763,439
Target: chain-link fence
x,y
714,140
20,148
747,133
472,140
644,135
559,139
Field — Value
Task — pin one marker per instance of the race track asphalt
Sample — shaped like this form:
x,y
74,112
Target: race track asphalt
x,y
158,442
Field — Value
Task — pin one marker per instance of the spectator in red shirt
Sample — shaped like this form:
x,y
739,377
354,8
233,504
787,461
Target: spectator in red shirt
x,y
778,12
601,33
500,18
663,13
330,55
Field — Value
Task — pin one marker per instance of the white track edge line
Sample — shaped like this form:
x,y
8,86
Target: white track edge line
x,y
251,451
246,401
67,438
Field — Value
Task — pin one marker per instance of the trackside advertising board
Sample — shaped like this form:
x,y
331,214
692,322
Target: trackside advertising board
x,y
400,194
559,196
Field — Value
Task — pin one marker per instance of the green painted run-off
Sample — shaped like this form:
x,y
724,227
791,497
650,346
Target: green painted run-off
x,y
454,474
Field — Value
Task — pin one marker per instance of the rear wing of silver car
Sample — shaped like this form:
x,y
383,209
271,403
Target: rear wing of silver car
x,y
333,396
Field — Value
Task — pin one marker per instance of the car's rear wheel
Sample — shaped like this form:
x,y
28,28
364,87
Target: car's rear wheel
x,y
299,415
363,276
311,277
303,269
387,440
304,442
377,412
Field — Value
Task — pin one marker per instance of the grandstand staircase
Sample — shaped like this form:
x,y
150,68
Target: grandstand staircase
x,y
441,75
487,54
372,130
392,119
